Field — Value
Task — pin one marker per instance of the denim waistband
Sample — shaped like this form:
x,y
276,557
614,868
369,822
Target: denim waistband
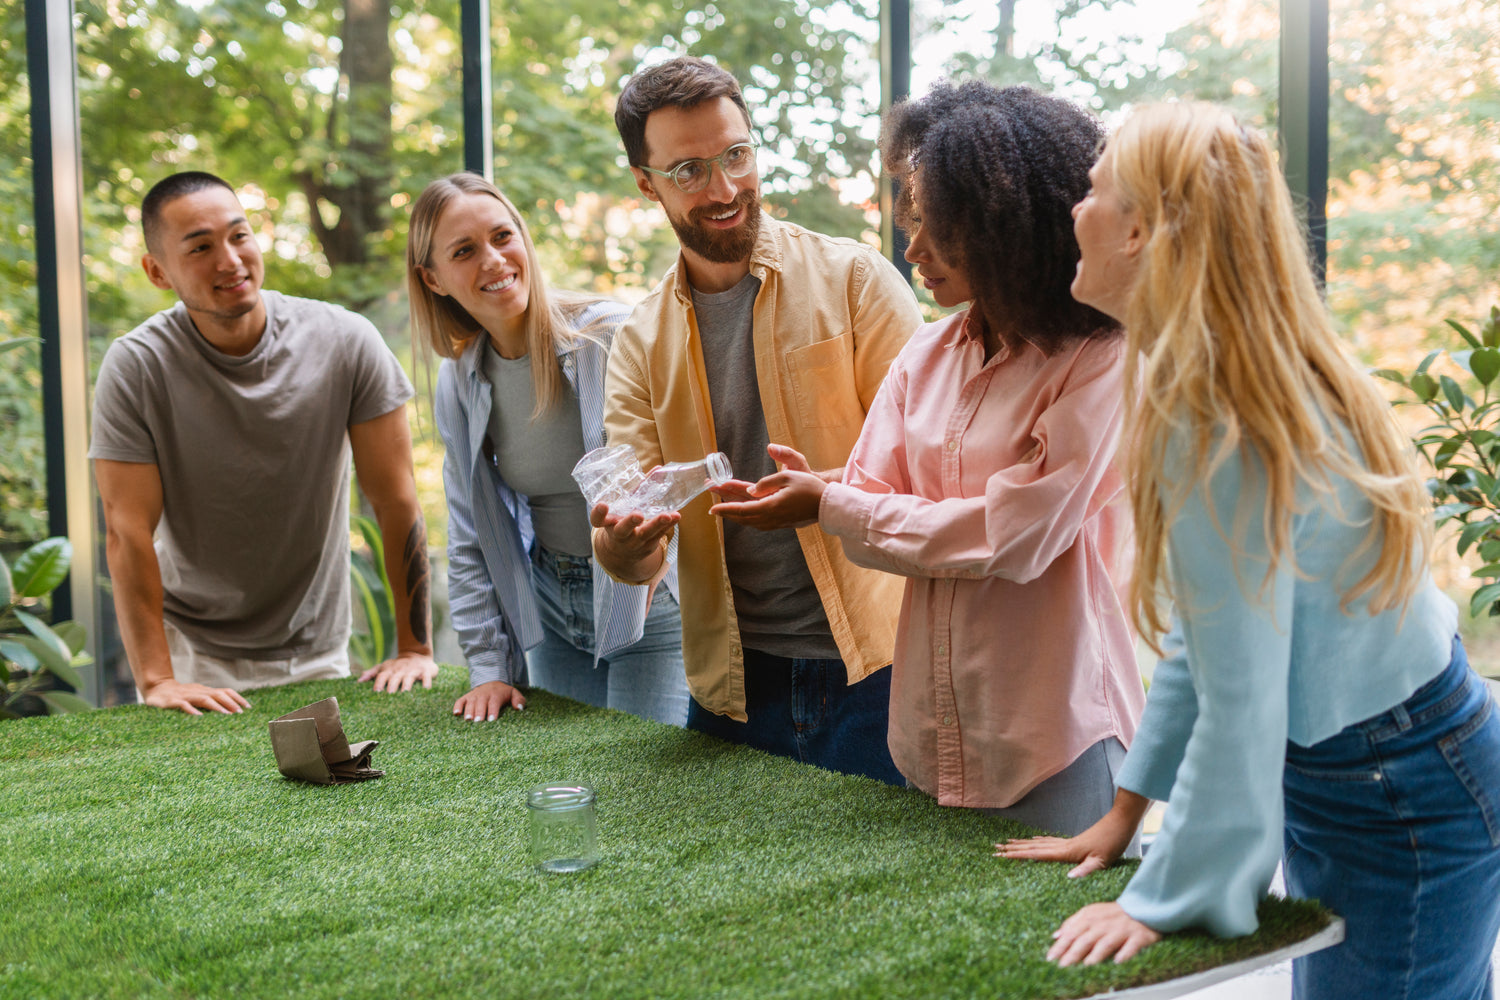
x,y
561,563
1437,698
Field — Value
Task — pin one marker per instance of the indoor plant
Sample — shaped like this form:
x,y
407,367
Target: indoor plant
x,y
32,653
1462,445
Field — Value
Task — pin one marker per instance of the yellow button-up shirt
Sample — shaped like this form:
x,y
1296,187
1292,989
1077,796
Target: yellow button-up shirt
x,y
830,316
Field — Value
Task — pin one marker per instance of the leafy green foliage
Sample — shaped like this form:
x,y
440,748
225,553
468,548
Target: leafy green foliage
x,y
1463,446
33,653
191,868
373,639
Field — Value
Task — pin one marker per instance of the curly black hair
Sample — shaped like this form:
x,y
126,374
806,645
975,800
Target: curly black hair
x,y
1001,170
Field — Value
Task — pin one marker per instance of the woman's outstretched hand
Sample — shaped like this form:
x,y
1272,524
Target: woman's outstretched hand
x,y
1095,849
486,701
785,499
1096,932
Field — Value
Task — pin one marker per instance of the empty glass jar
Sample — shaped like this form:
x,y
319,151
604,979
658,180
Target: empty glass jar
x,y
564,832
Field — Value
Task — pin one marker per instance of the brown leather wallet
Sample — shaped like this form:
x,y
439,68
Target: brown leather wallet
x,y
310,746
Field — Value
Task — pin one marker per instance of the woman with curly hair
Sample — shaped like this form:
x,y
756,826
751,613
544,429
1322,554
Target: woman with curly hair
x,y
1314,703
985,472
519,399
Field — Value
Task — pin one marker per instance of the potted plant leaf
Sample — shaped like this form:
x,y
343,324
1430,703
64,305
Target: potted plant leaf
x,y
33,654
1462,445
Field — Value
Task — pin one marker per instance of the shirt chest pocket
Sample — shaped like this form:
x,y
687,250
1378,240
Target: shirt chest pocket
x,y
822,377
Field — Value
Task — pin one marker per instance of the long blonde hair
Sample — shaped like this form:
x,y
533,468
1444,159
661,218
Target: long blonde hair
x,y
445,328
1228,335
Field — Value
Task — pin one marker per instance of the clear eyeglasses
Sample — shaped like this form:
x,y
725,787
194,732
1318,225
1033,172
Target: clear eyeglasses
x,y
693,176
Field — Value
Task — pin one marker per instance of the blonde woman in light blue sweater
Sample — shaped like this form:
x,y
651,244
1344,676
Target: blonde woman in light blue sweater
x,y
1314,704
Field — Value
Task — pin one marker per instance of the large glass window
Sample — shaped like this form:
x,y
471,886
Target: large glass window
x,y
324,117
811,78
23,459
1107,56
1414,200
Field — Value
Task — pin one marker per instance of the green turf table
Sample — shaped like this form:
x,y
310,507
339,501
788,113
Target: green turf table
x,y
150,853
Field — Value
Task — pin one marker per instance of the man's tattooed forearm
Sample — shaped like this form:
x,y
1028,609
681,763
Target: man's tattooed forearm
x,y
418,579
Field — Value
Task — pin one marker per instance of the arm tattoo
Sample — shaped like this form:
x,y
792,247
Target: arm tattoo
x,y
418,578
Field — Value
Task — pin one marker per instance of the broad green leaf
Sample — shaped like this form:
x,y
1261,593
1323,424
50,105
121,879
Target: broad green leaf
x,y
1390,375
1463,332
61,702
1454,392
359,654
372,613
42,567
1424,385
1427,362
1448,510
1445,453
44,653
1485,364
72,633
6,590
50,654
44,632
1471,534
370,532
1489,550
14,651
1488,571
1484,597
67,674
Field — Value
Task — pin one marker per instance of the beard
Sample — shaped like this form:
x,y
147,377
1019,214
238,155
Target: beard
x,y
720,246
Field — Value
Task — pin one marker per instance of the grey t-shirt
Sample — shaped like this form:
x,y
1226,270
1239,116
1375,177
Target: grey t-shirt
x,y
775,599
536,457
253,454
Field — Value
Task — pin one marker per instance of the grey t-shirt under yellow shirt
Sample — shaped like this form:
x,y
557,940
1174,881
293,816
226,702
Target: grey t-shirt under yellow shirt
x,y
775,599
253,453
536,457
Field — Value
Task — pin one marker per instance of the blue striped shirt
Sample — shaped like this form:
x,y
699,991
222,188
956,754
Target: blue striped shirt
x,y
489,525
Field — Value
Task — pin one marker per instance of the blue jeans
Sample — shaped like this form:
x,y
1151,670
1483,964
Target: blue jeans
x,y
1394,824
645,678
805,709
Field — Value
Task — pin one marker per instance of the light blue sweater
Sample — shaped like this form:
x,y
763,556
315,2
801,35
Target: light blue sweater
x,y
1247,669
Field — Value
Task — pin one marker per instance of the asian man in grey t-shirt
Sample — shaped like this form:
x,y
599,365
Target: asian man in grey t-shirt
x,y
223,429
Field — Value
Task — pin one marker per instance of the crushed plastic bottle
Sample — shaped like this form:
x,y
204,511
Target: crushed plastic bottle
x,y
612,476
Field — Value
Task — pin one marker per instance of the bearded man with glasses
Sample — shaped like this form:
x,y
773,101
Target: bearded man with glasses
x,y
763,334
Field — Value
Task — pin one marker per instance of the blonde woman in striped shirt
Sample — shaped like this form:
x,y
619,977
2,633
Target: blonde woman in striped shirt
x,y
519,399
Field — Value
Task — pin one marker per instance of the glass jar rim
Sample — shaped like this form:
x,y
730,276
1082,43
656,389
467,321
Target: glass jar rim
x,y
559,795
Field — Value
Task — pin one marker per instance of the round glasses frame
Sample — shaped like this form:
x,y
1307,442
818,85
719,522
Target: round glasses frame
x,y
692,176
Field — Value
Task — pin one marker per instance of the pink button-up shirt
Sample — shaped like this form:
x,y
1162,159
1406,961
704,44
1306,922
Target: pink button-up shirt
x,y
992,488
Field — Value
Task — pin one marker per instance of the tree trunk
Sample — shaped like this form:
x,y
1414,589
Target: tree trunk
x,y
358,183
1005,32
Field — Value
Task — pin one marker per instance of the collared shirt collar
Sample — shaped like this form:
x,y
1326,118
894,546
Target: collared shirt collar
x,y
768,254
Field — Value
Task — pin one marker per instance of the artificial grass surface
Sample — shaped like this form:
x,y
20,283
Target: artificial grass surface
x,y
148,853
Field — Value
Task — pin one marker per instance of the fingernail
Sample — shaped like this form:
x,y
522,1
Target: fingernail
x,y
468,717
493,716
